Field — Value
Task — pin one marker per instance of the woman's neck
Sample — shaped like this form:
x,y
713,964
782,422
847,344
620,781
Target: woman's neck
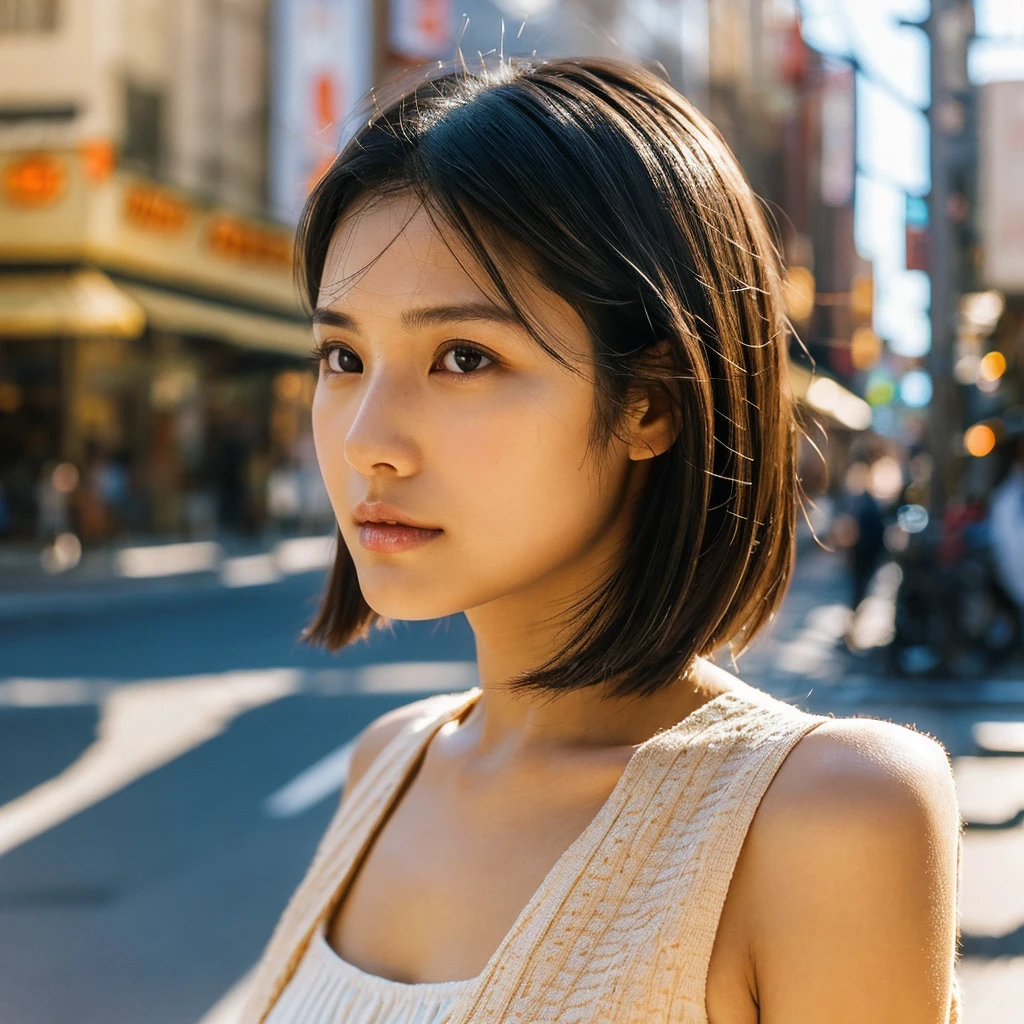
x,y
531,722
521,631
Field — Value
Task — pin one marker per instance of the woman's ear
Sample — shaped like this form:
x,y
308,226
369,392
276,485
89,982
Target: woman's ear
x,y
651,422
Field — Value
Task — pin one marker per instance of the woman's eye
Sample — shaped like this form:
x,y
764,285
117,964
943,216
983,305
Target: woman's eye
x,y
463,359
342,360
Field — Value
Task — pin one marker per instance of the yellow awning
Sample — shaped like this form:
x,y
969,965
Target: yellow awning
x,y
80,302
184,314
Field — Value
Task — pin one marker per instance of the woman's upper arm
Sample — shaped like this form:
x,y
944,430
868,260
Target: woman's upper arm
x,y
853,858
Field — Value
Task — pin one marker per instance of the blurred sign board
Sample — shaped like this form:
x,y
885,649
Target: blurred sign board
x,y
1000,181
35,179
422,29
838,135
917,233
322,66
134,226
155,208
234,238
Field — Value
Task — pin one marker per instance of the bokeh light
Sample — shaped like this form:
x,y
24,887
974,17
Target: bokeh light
x,y
64,553
913,518
65,478
865,348
885,479
799,292
980,440
992,367
11,397
880,390
916,389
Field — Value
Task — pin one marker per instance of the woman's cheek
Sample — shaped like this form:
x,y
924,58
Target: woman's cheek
x,y
329,441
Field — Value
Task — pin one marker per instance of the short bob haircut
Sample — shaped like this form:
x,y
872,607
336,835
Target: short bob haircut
x,y
601,180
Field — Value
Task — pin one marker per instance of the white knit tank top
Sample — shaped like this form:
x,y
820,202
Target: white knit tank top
x,y
328,990
622,928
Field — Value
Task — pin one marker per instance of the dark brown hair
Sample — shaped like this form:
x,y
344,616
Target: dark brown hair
x,y
629,205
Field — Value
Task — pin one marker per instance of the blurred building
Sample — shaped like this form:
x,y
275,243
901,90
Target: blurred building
x,y
989,348
154,156
150,334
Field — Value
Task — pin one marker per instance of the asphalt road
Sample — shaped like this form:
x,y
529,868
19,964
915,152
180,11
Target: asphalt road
x,y
168,765
145,906
204,630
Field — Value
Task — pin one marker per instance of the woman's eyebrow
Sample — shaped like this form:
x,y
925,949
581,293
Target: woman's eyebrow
x,y
430,316
332,318
426,316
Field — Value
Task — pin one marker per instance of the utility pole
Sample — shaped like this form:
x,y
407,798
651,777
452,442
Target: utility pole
x,y
949,27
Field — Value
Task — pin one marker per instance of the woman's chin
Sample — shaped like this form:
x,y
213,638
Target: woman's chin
x,y
409,609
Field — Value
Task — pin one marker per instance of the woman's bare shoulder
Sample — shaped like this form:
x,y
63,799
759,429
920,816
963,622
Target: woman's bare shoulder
x,y
863,760
849,869
377,735
848,780
857,766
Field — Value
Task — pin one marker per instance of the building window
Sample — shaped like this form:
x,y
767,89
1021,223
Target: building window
x,y
143,134
29,15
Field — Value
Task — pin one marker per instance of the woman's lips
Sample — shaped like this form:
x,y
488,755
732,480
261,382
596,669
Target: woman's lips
x,y
387,539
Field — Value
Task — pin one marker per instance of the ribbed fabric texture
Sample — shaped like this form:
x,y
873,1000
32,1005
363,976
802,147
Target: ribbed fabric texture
x,y
327,990
622,928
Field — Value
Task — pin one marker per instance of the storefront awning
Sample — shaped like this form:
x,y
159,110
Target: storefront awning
x,y
80,302
184,314
829,397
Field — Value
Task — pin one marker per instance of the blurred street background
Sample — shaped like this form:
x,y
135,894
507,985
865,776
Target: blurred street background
x,y
169,752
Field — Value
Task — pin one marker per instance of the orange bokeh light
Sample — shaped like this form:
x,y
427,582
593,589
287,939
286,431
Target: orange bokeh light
x,y
865,348
993,366
979,440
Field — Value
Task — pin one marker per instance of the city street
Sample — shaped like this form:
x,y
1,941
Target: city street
x,y
167,766
258,256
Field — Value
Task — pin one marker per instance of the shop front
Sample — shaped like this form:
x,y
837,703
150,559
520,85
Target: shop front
x,y
154,375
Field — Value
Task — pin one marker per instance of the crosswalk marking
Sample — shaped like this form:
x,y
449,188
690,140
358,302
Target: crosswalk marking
x,y
142,727
999,737
146,724
308,788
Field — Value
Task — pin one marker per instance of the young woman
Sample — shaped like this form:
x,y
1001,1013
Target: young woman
x,y
552,394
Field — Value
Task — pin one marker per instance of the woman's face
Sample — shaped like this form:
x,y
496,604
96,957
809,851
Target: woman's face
x,y
433,401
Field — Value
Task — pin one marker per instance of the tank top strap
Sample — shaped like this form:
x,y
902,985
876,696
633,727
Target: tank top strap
x,y
624,925
346,838
738,758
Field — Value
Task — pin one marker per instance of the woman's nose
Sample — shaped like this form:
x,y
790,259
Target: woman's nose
x,y
379,438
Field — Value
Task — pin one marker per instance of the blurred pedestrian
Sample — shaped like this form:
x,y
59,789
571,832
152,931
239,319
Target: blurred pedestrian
x,y
552,354
1007,527
6,518
860,530
58,482
232,459
869,546
93,512
284,496
315,513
